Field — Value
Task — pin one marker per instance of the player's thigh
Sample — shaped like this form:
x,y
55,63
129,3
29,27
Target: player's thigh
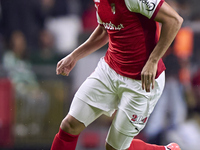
x,y
100,88
135,107
121,132
92,100
84,112
137,104
80,115
128,122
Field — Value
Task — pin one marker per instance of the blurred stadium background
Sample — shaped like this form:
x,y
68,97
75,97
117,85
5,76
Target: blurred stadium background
x,y
35,34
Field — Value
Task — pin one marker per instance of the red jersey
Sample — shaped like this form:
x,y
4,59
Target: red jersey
x,y
133,34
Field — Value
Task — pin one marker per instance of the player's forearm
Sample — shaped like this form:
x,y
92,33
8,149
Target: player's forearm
x,y
96,40
169,31
171,23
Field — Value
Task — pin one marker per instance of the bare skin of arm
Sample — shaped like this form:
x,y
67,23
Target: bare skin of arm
x,y
171,23
97,39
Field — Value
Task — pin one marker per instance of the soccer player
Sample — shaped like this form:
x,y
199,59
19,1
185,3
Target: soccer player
x,y
129,79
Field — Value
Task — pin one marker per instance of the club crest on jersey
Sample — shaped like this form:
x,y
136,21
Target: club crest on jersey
x,y
113,8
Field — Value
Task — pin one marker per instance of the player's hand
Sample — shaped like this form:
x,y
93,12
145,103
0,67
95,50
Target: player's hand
x,y
65,65
148,75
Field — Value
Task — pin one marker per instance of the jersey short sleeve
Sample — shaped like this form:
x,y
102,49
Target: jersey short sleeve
x,y
148,8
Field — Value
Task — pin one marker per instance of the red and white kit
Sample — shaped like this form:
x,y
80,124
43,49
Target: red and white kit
x,y
132,31
115,83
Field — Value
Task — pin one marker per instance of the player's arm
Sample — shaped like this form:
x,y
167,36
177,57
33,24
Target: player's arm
x,y
97,39
171,23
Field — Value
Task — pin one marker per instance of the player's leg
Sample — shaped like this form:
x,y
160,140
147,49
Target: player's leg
x,y
68,134
140,145
134,109
97,95
119,139
74,123
71,125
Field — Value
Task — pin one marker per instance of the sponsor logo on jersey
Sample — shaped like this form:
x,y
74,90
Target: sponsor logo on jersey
x,y
97,1
150,5
111,26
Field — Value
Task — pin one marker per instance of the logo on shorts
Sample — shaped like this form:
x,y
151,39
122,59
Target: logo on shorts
x,y
138,119
149,4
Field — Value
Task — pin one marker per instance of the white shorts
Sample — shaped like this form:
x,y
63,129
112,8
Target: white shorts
x,y
105,91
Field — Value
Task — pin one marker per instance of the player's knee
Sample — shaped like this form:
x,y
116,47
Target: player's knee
x,y
71,125
109,147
